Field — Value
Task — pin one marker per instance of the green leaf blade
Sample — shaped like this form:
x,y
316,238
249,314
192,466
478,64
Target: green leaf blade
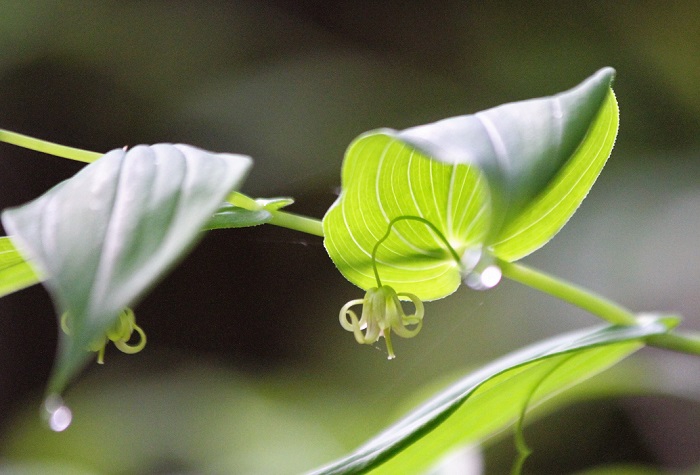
x,y
487,401
518,146
383,179
232,217
544,217
106,236
15,272
501,182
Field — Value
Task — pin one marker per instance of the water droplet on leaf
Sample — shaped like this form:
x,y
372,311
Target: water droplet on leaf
x,y
56,414
485,279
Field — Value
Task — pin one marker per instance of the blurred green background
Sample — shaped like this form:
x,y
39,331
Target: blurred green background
x,y
246,368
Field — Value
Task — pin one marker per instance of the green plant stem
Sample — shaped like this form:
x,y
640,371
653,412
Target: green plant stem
x,y
283,219
580,297
676,341
50,148
243,201
296,222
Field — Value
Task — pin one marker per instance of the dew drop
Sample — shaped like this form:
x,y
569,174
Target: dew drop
x,y
56,414
488,278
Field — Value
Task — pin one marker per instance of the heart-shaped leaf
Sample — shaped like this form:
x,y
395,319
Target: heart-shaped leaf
x,y
490,399
106,236
501,182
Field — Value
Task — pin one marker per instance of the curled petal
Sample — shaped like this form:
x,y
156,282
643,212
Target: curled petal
x,y
373,310
345,312
124,346
405,332
382,313
120,333
418,303
353,325
415,319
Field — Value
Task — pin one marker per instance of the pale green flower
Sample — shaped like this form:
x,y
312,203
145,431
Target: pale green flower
x,y
120,333
382,312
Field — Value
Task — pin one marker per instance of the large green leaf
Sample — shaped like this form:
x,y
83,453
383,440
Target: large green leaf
x,y
15,272
545,215
520,146
485,402
384,178
106,236
502,181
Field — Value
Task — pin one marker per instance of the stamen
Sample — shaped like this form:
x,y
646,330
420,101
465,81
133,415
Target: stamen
x,y
389,347
101,356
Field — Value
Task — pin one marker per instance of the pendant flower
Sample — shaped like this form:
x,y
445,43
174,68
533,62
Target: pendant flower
x,y
120,333
382,312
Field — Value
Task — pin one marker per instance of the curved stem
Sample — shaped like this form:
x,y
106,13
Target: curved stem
x,y
437,232
521,446
51,148
575,295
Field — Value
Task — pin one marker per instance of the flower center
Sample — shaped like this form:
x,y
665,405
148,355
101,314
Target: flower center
x,y
120,333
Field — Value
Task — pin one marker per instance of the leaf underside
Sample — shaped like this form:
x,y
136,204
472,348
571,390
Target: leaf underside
x,y
519,146
384,178
548,212
502,182
106,236
489,400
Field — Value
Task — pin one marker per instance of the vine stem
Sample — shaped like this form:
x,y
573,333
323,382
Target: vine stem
x,y
297,222
578,296
279,218
681,342
50,148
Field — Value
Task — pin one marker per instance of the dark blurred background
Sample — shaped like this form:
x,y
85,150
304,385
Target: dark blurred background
x,y
246,368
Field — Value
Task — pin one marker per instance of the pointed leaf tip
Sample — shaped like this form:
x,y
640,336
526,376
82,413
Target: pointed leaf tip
x,y
519,146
